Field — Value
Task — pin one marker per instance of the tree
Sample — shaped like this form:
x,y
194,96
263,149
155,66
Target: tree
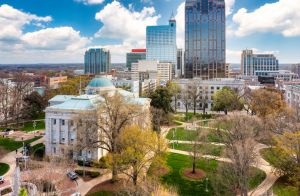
x,y
238,133
185,98
34,104
138,148
287,149
114,114
22,86
23,192
266,101
162,98
196,151
87,134
175,91
157,118
194,94
227,99
5,100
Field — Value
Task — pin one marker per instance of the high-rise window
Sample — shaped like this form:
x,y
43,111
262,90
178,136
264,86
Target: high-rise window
x,y
96,61
205,42
161,43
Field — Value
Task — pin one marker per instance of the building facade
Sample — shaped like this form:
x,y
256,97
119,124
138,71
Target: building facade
x,y
134,56
161,43
258,64
54,82
97,61
159,71
292,96
180,63
206,89
205,41
62,114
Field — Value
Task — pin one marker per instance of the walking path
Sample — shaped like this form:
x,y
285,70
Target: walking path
x,y
10,159
261,164
192,142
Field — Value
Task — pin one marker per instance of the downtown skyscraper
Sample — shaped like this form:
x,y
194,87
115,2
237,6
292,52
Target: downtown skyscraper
x,y
205,43
97,61
161,43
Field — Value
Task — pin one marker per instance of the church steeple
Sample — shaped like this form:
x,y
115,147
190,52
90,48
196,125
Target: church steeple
x,y
172,20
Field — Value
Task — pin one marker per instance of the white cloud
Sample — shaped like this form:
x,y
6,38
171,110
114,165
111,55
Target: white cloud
x,y
90,2
12,21
46,44
60,38
122,23
280,17
229,6
126,25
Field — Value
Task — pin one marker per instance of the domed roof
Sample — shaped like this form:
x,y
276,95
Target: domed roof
x,y
100,82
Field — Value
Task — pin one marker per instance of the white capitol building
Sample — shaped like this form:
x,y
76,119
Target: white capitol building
x,y
61,131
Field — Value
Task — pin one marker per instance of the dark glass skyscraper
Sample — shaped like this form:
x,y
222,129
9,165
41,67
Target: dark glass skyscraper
x,y
96,61
205,42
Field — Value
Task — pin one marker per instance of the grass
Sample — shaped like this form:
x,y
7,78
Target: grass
x,y
3,168
283,188
187,187
11,145
180,116
28,126
182,134
102,193
269,155
205,149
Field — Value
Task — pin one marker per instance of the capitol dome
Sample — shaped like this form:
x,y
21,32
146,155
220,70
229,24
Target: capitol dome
x,y
99,84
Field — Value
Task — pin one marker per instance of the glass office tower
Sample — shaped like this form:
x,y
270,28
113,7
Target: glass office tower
x,y
205,42
96,61
258,64
161,43
134,56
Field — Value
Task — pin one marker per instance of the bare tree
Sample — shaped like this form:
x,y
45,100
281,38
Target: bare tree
x,y
22,86
5,100
185,98
87,135
238,133
194,94
114,114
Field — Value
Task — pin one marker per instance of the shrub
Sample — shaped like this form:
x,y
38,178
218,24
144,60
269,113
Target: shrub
x,y
6,191
92,174
103,162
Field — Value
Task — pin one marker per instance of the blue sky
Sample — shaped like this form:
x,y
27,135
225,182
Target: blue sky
x,y
54,31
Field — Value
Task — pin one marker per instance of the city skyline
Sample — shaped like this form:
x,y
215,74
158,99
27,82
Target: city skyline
x,y
69,34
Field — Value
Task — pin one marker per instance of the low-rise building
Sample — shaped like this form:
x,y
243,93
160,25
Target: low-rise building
x,y
206,89
55,81
292,95
62,130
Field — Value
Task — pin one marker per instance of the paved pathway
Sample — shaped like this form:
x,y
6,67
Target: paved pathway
x,y
85,187
261,164
192,142
10,159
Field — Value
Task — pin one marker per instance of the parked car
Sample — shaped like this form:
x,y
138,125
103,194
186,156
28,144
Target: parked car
x,y
72,175
1,179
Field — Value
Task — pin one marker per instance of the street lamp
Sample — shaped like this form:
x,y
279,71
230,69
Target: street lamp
x,y
206,189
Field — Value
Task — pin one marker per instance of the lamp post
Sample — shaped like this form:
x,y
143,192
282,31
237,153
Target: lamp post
x,y
206,189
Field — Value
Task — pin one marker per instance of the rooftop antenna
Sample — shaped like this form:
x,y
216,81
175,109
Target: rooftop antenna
x,y
172,16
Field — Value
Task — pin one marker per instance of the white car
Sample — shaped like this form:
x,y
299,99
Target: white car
x,y
1,179
76,194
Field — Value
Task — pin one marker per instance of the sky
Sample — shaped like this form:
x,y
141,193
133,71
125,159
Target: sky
x,y
59,31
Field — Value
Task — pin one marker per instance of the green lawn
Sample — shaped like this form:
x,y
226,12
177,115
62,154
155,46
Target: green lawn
x,y
28,126
188,135
205,149
3,168
11,145
188,187
269,154
102,193
283,188
180,116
